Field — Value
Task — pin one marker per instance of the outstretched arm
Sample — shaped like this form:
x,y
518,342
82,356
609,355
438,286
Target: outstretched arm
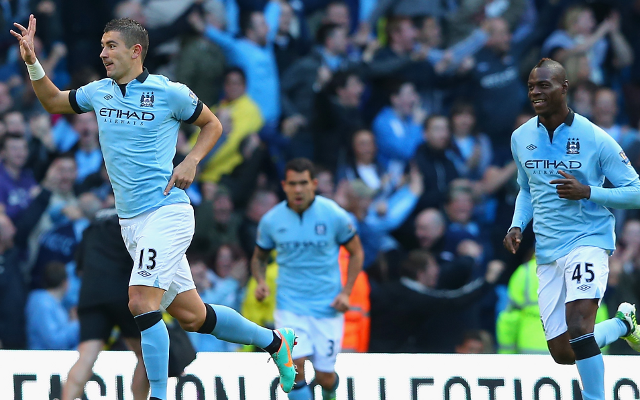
x,y
53,99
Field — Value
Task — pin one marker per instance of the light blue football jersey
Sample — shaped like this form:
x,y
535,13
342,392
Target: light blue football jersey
x,y
307,247
138,136
585,151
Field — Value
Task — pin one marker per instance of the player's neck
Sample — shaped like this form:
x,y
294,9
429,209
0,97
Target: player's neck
x,y
553,121
130,75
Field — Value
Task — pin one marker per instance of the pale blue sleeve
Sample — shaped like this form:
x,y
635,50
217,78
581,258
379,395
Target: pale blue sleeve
x,y
80,98
185,105
263,238
272,16
345,229
221,38
617,168
524,209
400,206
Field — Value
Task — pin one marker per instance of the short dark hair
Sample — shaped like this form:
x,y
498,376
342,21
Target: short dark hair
x,y
416,261
394,86
339,80
431,117
556,68
300,164
246,21
325,31
8,136
463,106
55,273
132,32
236,70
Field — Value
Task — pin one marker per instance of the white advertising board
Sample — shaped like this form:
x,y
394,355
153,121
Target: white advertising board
x,y
37,375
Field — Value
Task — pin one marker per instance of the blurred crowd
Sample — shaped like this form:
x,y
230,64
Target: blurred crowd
x,y
405,106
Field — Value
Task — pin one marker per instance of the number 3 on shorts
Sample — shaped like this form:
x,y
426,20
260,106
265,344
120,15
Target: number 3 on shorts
x,y
151,258
577,275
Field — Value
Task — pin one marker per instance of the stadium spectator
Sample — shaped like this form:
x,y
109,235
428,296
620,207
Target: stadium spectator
x,y
338,117
476,342
472,150
216,223
87,150
581,97
496,84
400,309
605,114
240,117
397,128
287,47
13,290
261,202
436,167
49,325
579,34
254,54
16,182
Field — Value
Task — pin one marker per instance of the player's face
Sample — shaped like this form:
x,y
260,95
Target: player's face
x,y
115,55
300,189
546,93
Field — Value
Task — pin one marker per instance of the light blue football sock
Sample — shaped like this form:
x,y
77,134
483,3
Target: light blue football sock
x,y
590,366
155,351
607,332
233,327
301,391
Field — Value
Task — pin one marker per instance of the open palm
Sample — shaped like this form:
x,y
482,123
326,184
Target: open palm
x,y
25,37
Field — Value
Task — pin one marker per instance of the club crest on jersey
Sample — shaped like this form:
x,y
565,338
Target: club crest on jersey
x,y
146,99
624,157
573,146
321,229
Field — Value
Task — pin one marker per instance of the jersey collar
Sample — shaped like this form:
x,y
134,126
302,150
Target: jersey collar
x,y
568,120
310,204
143,76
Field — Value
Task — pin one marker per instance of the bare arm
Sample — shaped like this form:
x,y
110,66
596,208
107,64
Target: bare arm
x,y
494,177
259,270
210,132
53,99
356,259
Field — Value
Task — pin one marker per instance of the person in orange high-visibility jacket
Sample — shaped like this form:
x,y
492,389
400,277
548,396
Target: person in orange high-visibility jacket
x,y
357,323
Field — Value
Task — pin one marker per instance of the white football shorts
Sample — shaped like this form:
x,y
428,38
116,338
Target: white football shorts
x,y
319,339
157,241
581,274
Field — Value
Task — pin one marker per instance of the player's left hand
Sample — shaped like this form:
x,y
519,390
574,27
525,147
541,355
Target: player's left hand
x,y
341,302
570,189
182,176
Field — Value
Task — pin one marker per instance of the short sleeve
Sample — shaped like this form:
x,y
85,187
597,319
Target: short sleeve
x,y
345,227
185,105
263,238
80,99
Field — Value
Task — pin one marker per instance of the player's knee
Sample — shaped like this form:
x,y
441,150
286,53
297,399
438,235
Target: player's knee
x,y
139,304
189,321
563,357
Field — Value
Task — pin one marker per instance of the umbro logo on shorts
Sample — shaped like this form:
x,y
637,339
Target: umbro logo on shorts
x,y
532,147
144,273
584,288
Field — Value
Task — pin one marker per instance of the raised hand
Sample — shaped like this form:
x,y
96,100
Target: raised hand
x,y
25,38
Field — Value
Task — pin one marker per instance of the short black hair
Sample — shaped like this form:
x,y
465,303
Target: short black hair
x,y
339,80
236,70
300,164
325,31
246,22
8,136
430,118
55,273
416,261
132,32
555,67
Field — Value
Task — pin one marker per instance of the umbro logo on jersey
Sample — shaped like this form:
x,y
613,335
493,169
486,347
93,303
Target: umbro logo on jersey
x,y
584,288
321,229
532,147
108,97
144,273
282,230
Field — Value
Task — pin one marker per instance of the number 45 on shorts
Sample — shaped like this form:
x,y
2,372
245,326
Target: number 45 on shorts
x,y
583,270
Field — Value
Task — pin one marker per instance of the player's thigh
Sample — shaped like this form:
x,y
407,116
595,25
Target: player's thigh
x,y
95,323
300,325
326,336
551,299
161,240
182,282
586,272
